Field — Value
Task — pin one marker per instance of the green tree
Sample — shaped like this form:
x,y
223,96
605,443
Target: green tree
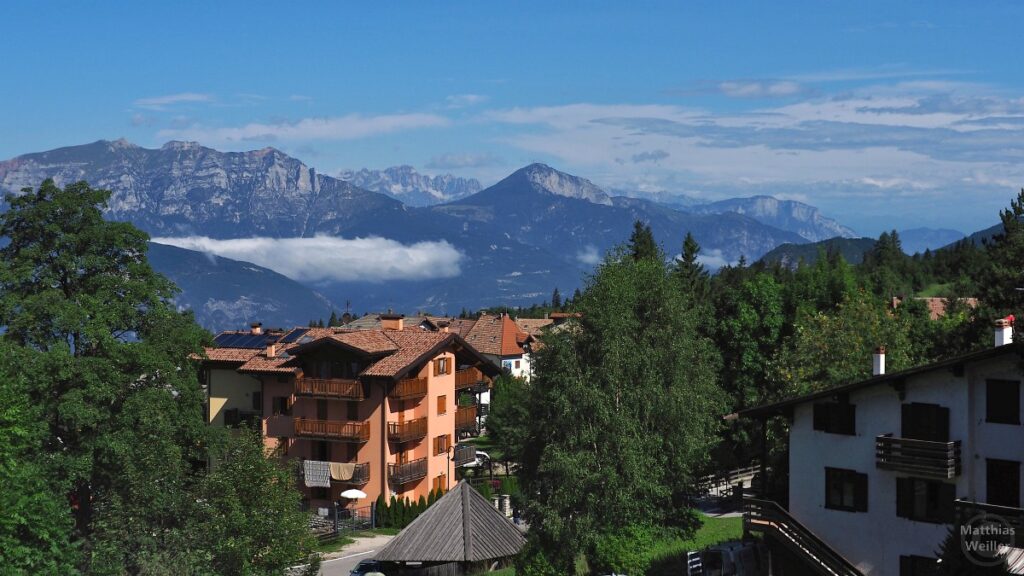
x,y
641,242
622,410
556,299
114,395
36,523
509,416
333,320
830,349
689,270
255,526
1000,289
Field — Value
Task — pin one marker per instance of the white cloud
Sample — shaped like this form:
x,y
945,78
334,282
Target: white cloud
x,y
161,102
589,256
349,127
759,89
464,100
325,258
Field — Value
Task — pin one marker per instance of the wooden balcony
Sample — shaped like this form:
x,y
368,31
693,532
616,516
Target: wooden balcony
x,y
409,388
337,430
469,378
769,518
465,418
464,454
361,475
918,457
408,472
336,388
407,431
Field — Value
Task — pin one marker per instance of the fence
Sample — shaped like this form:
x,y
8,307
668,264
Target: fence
x,y
341,520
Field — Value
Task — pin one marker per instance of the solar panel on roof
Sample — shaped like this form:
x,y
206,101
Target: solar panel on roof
x,y
294,335
226,340
243,340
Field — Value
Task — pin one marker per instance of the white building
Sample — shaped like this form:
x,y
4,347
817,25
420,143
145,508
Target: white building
x,y
879,470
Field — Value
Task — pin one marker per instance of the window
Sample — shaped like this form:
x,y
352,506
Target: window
x,y
257,401
925,422
1002,482
846,490
441,366
517,364
925,500
442,405
441,444
352,410
321,450
439,483
279,405
835,417
1002,401
918,566
321,409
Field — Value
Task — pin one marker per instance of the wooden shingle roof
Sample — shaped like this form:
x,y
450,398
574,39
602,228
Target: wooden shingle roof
x,y
460,527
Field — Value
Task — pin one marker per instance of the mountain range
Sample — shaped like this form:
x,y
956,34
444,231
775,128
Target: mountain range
x,y
512,243
405,184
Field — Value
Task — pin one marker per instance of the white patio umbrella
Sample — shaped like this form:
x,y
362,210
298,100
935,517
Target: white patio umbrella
x,y
353,494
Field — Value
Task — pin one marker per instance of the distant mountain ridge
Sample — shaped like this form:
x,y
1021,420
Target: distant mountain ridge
x,y
790,255
917,240
790,215
535,230
405,184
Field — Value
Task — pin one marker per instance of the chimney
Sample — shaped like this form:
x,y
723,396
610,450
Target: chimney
x,y
271,350
443,325
1004,330
391,321
878,362
256,327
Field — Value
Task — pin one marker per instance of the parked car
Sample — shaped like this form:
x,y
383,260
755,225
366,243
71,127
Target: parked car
x,y
482,460
366,567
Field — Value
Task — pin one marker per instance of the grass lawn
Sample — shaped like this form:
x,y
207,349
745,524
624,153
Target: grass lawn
x,y
935,290
484,444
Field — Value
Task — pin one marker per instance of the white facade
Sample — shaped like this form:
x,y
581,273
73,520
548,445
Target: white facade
x,y
875,539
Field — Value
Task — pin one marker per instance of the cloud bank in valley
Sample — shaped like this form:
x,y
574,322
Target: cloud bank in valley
x,y
329,259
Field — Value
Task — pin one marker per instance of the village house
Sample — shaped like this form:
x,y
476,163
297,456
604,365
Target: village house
x,y
369,409
880,470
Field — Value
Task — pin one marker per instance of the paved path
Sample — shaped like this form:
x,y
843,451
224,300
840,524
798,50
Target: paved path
x,y
342,562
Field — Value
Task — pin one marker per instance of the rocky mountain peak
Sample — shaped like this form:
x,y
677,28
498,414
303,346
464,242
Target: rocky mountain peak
x,y
546,179
180,145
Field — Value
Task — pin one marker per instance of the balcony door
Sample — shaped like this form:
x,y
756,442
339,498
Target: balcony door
x,y
925,422
1002,482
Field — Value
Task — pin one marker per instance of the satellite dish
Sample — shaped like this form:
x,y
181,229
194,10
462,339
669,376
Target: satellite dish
x,y
353,494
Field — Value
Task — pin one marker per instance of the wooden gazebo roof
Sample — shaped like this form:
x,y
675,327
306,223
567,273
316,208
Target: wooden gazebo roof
x,y
462,526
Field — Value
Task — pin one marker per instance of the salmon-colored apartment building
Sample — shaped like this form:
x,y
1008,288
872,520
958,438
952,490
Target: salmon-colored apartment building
x,y
375,410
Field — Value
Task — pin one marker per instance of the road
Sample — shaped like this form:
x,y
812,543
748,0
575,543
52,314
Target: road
x,y
346,560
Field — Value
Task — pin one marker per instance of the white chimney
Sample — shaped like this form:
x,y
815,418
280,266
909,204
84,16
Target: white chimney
x,y
271,350
1003,330
257,328
878,362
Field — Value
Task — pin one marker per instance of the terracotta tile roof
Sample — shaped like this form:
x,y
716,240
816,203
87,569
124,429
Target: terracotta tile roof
x,y
281,364
411,346
369,341
239,355
372,322
533,326
461,326
497,335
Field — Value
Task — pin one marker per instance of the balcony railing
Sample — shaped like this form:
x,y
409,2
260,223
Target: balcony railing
x,y
330,388
464,454
404,473
339,430
465,418
468,378
970,513
768,517
919,457
409,388
361,474
406,431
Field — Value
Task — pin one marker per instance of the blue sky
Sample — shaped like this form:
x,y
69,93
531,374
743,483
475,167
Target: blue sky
x,y
885,115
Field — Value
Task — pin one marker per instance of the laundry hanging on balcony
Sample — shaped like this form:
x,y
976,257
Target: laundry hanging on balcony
x,y
317,474
342,471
